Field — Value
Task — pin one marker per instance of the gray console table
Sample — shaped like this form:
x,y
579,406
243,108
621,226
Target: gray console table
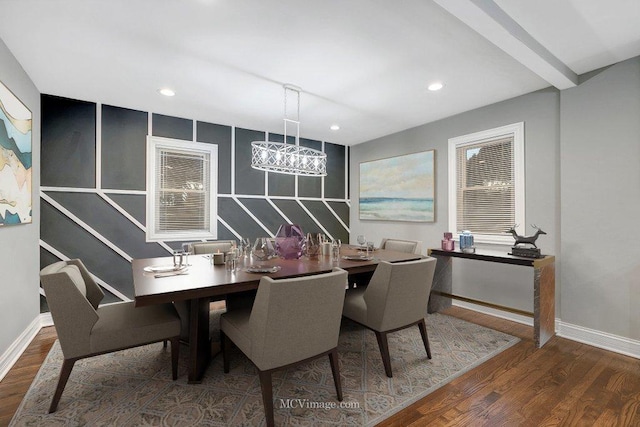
x,y
544,287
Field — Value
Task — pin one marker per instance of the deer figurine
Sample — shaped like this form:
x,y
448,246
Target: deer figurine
x,y
526,239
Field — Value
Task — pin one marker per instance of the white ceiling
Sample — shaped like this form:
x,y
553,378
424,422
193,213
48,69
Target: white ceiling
x,y
363,64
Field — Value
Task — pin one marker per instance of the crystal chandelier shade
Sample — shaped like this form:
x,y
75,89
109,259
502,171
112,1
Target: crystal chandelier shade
x,y
291,159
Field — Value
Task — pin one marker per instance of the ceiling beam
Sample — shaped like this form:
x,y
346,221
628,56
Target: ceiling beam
x,y
493,23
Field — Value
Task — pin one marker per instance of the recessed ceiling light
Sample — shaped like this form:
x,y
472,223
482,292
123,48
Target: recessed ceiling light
x,y
166,91
435,86
335,127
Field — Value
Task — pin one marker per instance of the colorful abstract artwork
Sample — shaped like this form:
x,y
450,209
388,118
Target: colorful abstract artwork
x,y
398,188
15,159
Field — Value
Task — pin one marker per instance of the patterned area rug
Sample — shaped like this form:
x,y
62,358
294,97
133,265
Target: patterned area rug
x,y
134,388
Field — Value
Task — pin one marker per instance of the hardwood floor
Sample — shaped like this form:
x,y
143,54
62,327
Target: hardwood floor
x,y
564,383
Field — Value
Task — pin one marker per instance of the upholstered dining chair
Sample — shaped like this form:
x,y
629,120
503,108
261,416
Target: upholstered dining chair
x,y
395,299
86,330
202,248
292,321
408,246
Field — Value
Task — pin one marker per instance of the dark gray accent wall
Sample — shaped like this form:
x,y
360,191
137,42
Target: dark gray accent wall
x,y
334,187
265,213
248,180
297,215
310,186
72,240
221,136
68,143
134,204
237,218
115,213
124,141
103,218
341,209
321,213
172,127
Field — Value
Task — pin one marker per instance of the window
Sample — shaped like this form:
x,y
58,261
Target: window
x,y
486,183
181,190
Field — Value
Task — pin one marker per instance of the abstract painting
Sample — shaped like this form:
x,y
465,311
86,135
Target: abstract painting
x,y
398,188
15,159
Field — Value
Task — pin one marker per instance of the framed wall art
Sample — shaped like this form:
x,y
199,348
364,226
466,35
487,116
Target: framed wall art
x,y
398,188
15,159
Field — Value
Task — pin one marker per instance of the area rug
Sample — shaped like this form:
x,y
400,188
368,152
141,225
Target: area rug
x,y
134,388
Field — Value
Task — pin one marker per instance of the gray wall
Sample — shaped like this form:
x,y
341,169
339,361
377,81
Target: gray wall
x,y
582,186
19,243
540,111
600,205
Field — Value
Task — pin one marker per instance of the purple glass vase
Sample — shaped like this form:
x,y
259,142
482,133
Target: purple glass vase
x,y
290,241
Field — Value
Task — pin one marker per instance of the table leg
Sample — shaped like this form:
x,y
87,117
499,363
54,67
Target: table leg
x,y
441,283
199,344
544,308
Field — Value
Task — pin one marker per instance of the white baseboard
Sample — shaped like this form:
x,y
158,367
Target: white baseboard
x,y
604,340
13,353
15,350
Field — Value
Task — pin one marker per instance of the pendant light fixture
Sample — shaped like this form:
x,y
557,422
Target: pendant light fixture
x,y
291,159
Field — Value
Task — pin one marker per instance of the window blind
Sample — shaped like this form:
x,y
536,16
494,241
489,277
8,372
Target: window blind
x,y
183,190
485,186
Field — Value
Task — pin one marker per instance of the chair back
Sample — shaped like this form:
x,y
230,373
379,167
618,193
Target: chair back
x,y
407,246
73,297
398,293
203,248
295,319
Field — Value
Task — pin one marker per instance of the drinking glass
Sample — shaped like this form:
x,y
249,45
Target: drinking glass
x,y
187,249
312,245
361,239
245,244
263,248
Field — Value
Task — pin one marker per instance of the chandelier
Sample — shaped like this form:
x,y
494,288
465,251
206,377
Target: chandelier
x,y
285,158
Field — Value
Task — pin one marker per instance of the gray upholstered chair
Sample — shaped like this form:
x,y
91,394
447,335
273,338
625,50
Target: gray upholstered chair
x,y
202,248
86,330
292,321
408,246
395,299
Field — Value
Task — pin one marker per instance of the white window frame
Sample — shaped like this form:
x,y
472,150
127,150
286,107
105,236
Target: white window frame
x,y
517,130
155,142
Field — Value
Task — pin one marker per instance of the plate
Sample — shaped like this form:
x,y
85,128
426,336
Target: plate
x,y
357,258
163,268
359,248
262,269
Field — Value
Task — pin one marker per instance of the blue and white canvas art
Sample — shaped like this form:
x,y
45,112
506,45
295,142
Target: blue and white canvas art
x,y
398,188
15,159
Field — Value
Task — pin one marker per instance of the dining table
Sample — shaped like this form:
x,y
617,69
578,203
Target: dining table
x,y
202,281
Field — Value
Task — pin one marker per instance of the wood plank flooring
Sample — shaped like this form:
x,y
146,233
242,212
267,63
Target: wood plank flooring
x,y
563,384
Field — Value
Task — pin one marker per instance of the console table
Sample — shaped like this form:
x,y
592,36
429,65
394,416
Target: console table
x,y
544,287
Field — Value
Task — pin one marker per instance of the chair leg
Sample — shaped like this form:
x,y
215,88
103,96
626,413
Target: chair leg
x,y
267,396
384,351
164,344
425,338
335,369
67,366
175,354
224,346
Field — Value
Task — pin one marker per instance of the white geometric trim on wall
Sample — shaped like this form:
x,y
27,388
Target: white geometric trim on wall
x,y
85,226
99,281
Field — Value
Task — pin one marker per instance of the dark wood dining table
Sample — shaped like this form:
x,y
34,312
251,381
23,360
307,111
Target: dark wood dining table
x,y
204,281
